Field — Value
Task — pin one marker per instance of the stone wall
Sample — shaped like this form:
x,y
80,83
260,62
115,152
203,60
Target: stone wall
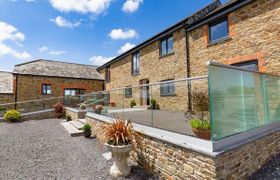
x,y
174,162
75,114
6,98
253,35
46,114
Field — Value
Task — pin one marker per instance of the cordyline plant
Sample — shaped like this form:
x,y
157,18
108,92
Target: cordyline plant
x,y
117,133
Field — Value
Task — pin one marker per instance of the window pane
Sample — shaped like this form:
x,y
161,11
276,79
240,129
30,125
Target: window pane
x,y
170,45
138,62
251,65
163,47
218,31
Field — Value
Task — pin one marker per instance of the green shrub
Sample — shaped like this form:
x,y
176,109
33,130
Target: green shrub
x,y
12,115
153,104
199,124
86,127
68,118
83,106
132,103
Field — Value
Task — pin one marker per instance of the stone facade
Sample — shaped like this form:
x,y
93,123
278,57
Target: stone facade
x,y
29,86
254,34
174,162
154,68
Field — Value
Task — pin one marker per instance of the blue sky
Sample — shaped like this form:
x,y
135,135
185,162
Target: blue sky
x,y
82,31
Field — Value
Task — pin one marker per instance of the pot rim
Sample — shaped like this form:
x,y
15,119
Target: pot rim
x,y
122,146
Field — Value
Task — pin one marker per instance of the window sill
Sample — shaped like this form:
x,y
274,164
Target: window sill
x,y
219,41
171,95
163,56
136,74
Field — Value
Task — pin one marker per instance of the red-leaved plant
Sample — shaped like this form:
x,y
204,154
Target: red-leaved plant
x,y
59,110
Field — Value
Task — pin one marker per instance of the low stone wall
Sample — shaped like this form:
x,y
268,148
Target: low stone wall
x,y
75,114
171,161
46,114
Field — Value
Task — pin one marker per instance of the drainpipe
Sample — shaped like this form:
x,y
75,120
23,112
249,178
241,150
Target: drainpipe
x,y
188,71
16,88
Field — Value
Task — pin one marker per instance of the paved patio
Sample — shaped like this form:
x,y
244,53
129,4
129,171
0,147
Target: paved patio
x,y
44,150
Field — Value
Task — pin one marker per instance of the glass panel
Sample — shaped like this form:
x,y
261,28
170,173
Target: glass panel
x,y
241,100
163,46
218,31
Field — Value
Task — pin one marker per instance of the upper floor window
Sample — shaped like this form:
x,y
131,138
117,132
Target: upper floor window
x,y
107,74
136,63
218,30
46,89
167,89
166,46
249,65
128,92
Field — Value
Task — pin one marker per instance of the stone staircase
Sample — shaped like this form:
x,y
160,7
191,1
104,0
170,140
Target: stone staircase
x,y
74,128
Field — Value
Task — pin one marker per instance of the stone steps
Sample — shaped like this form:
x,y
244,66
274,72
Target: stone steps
x,y
72,130
83,121
77,124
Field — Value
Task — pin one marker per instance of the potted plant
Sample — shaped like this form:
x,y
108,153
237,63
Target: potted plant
x,y
59,110
98,109
12,116
201,127
132,103
87,130
83,106
117,137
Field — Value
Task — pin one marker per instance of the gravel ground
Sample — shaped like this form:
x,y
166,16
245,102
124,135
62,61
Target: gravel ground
x,y
270,171
44,150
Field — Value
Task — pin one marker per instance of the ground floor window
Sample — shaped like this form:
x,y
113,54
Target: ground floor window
x,y
73,96
167,89
128,92
46,89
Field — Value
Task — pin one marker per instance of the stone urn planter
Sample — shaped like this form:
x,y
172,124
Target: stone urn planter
x,y
202,133
119,156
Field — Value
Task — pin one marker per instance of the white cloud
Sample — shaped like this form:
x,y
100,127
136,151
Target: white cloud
x,y
62,22
10,33
122,34
81,6
43,49
57,53
30,0
100,60
131,6
127,46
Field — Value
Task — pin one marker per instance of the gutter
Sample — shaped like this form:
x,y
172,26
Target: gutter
x,y
221,12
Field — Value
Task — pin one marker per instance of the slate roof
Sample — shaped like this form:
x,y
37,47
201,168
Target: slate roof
x,y
44,67
6,82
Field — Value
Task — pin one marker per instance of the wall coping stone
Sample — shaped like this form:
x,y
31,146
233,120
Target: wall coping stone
x,y
75,110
